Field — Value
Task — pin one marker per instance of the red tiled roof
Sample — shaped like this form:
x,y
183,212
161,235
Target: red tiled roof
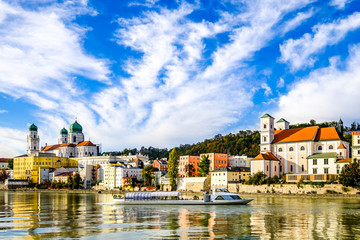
x,y
86,143
345,160
67,145
51,147
328,133
4,159
295,134
341,146
266,156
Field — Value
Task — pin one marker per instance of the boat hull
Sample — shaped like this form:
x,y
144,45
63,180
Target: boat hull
x,y
182,202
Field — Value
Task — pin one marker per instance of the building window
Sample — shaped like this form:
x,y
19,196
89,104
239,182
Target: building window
x,y
291,149
267,168
264,139
275,168
319,148
265,126
302,148
302,168
326,170
331,147
291,168
280,168
358,151
326,161
280,149
314,170
314,161
74,139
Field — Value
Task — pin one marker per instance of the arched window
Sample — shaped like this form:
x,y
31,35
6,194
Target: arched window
x,y
74,139
331,147
291,168
302,167
264,139
280,149
291,149
319,148
265,126
302,148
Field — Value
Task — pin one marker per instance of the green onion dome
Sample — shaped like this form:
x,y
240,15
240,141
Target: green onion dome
x,y
75,128
63,131
33,127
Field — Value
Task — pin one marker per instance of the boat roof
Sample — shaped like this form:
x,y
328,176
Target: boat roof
x,y
153,194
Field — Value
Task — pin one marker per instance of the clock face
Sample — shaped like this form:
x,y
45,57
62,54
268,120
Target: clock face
x,y
35,141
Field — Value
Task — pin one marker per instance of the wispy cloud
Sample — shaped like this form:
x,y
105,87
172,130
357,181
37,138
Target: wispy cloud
x,y
339,3
299,53
321,97
3,111
297,20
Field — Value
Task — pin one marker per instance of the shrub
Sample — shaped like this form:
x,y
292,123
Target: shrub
x,y
328,191
345,189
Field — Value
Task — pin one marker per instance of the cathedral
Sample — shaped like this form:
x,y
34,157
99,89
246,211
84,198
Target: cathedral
x,y
70,144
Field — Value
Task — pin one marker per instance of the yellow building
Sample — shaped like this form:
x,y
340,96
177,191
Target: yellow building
x,y
27,166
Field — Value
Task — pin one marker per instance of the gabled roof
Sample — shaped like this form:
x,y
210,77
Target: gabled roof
x,y
328,133
295,134
160,161
266,156
282,120
67,145
266,115
323,155
86,143
345,160
341,146
51,147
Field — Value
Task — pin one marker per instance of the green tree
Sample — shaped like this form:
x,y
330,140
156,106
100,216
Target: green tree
x,y
350,175
147,173
173,168
70,182
76,181
204,166
3,175
257,179
11,163
190,170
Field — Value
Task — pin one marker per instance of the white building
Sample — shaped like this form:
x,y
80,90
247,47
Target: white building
x,y
239,161
114,175
356,146
221,177
4,163
326,163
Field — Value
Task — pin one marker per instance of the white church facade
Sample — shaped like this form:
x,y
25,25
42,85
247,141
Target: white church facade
x,y
284,150
70,144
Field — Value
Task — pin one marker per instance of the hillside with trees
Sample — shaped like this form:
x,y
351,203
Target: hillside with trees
x,y
244,142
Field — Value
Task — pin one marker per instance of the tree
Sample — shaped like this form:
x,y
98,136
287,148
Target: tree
x,y
10,163
190,170
204,166
147,173
76,181
173,168
350,175
257,179
70,182
312,122
3,175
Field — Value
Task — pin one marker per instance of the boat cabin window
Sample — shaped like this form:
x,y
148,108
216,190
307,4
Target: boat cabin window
x,y
221,190
219,198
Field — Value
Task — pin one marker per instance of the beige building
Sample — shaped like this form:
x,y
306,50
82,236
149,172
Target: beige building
x,y
286,150
356,146
222,177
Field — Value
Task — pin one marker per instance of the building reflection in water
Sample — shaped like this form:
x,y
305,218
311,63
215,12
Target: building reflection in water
x,y
38,215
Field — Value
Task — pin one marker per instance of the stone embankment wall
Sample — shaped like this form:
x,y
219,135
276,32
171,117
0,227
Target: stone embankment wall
x,y
195,184
292,189
2,186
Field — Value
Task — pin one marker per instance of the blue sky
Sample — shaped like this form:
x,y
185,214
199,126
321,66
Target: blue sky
x,y
163,73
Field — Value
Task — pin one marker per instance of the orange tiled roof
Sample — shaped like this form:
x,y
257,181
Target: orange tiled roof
x,y
328,133
266,156
345,160
295,134
4,159
341,146
51,147
67,145
86,143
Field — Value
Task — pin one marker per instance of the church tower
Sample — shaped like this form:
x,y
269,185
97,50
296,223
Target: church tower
x,y
63,136
76,135
33,140
266,133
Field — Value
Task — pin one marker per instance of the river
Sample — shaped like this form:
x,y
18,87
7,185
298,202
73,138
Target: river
x,y
41,215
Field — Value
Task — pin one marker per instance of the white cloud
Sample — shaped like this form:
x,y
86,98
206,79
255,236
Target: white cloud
x,y
13,142
3,111
326,95
280,83
266,88
298,53
339,3
297,20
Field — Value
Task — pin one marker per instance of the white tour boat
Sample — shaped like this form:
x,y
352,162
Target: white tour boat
x,y
219,196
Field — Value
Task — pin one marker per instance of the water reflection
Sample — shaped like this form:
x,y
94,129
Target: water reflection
x,y
35,215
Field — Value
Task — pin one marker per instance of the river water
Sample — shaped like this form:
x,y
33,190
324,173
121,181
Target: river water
x,y
41,215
